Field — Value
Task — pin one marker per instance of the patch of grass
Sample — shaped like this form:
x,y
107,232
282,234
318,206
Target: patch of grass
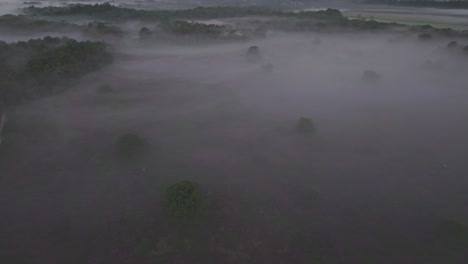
x,y
183,200
305,126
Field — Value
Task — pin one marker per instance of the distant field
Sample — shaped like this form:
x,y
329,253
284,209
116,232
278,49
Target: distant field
x,y
412,18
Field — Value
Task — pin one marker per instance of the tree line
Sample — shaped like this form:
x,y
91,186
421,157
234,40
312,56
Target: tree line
x,y
29,69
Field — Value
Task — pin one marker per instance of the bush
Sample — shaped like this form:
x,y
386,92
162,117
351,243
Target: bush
x,y
305,126
452,233
183,200
130,145
371,76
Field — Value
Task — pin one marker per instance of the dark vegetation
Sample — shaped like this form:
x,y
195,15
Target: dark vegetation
x,y
173,20
452,44
109,12
452,233
13,23
305,126
370,76
104,89
424,3
253,54
425,36
34,68
130,146
21,23
181,27
145,33
101,28
183,200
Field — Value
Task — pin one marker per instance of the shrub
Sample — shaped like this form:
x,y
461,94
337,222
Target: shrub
x,y
371,76
130,145
305,126
183,200
452,233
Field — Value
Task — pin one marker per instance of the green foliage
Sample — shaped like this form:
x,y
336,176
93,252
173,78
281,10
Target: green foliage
x,y
34,68
130,145
101,28
305,126
183,200
424,3
72,59
109,12
185,28
24,23
452,233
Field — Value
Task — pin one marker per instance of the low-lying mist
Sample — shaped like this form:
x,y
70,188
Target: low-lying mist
x,y
386,163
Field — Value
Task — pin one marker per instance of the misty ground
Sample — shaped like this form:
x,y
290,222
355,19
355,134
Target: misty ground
x,y
388,160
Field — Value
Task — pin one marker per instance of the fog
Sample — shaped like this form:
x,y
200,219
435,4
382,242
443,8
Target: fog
x,y
388,160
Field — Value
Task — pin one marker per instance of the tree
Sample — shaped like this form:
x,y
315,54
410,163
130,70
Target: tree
x,y
370,76
305,126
